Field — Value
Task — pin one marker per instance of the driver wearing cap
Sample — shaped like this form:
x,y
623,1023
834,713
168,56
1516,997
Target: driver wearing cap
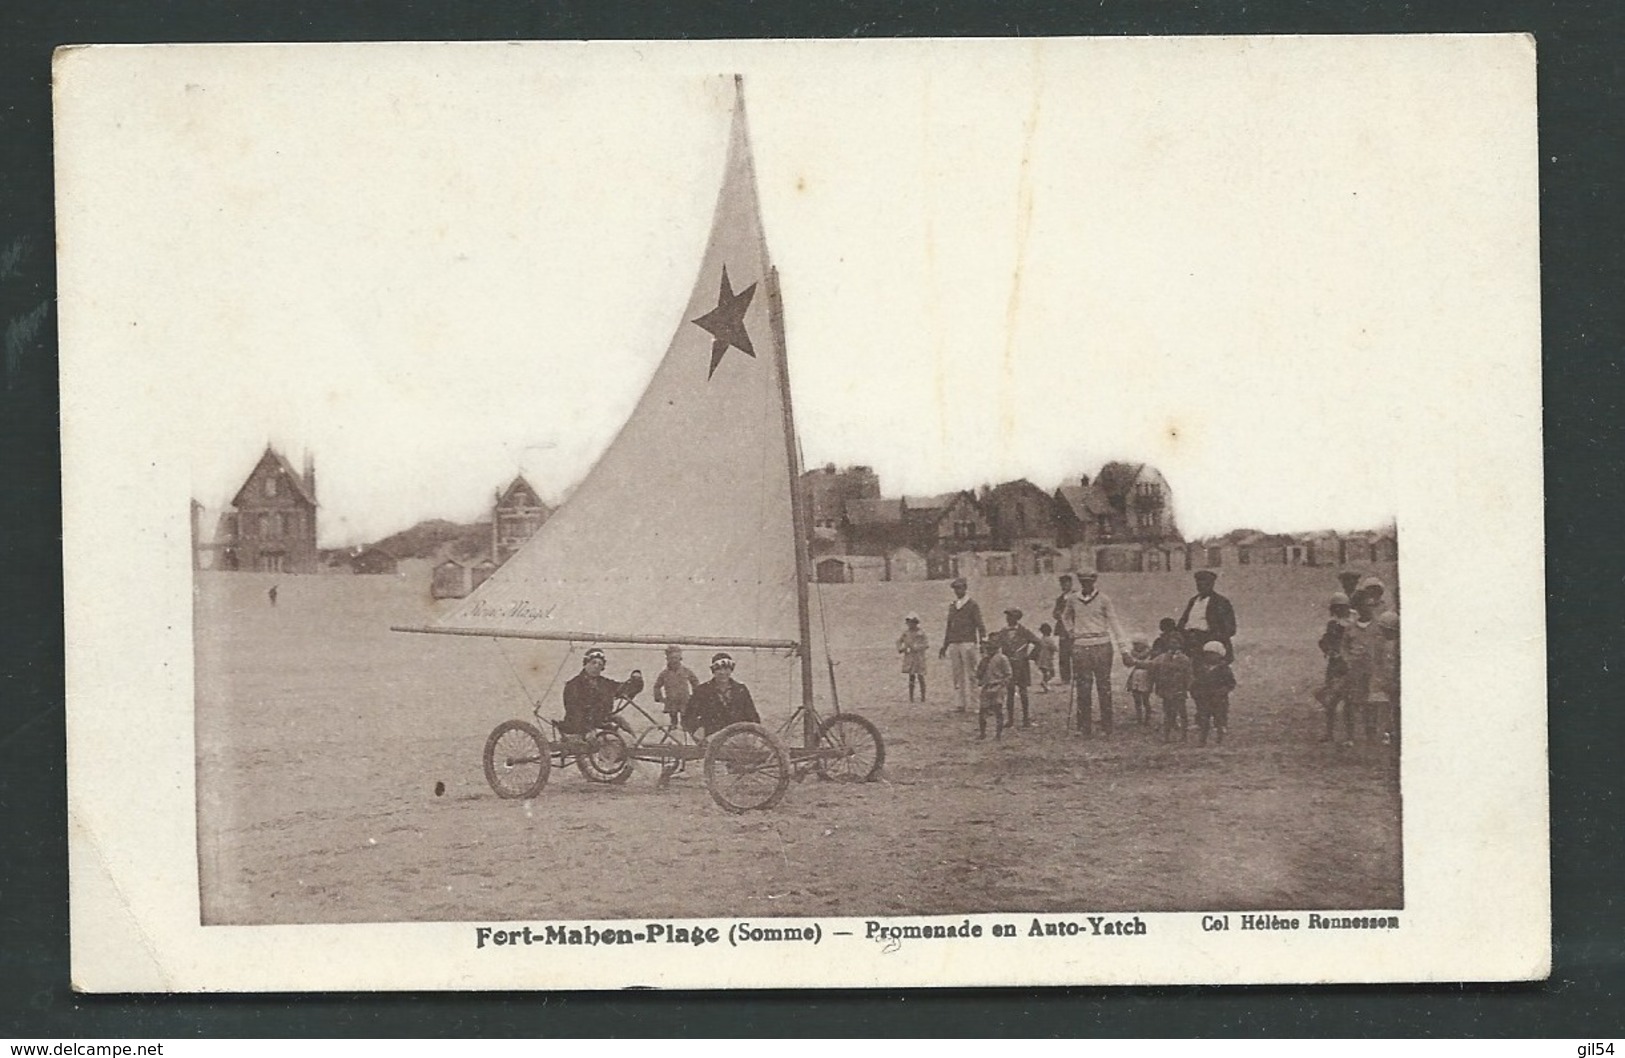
x,y
719,701
589,696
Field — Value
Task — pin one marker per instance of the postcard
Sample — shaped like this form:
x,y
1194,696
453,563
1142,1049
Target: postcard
x,y
803,513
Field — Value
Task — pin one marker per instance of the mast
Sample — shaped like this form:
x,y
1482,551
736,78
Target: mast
x,y
792,459
798,512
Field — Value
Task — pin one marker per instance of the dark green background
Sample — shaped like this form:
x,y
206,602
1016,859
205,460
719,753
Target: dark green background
x,y
1582,288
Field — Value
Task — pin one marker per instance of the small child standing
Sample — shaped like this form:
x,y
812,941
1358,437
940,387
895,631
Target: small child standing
x,y
913,644
1139,680
1211,685
1167,634
993,675
676,684
1049,647
1171,682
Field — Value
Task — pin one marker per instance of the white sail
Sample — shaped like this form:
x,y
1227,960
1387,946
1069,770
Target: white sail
x,y
683,531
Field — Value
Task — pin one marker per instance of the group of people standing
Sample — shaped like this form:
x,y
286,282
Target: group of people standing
x,y
1361,647
1190,659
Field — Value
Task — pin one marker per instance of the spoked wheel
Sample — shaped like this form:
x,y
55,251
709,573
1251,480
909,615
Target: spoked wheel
x,y
517,760
607,760
862,751
746,768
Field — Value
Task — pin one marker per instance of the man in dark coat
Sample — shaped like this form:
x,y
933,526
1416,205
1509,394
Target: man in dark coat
x,y
719,701
1208,618
589,696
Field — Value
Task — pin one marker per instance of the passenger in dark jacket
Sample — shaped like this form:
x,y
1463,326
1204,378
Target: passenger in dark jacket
x,y
589,697
719,701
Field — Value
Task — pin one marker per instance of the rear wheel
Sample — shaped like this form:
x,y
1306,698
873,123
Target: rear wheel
x,y
607,759
860,747
517,760
746,768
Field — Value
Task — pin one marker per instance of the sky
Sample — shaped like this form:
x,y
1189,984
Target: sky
x,y
435,266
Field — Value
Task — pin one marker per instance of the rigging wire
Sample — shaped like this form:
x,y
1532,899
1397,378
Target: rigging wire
x,y
535,702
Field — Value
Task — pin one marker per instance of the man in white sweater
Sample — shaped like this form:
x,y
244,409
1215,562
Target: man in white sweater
x,y
1097,638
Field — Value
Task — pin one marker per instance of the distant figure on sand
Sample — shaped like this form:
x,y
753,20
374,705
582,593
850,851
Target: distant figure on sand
x,y
1017,642
272,595
913,644
993,677
589,696
959,639
720,701
1208,618
676,683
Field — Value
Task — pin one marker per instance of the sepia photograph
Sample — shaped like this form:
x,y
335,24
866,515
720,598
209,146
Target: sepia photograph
x,y
899,513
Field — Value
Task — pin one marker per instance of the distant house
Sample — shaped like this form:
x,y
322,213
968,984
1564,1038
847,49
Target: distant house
x,y
516,515
905,563
449,580
1385,548
373,560
827,491
1022,515
1139,501
271,527
1083,515
875,527
952,522
1356,549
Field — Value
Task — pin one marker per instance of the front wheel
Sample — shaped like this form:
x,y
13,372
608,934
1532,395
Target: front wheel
x,y
607,759
746,768
850,749
517,760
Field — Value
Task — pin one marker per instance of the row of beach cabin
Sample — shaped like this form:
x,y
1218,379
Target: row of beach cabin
x,y
907,564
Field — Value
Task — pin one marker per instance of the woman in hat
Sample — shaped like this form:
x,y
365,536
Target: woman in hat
x,y
719,701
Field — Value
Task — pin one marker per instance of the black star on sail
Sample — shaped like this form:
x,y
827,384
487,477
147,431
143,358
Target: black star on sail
x,y
726,322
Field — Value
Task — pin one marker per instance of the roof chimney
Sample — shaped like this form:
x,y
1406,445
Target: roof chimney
x,y
310,474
